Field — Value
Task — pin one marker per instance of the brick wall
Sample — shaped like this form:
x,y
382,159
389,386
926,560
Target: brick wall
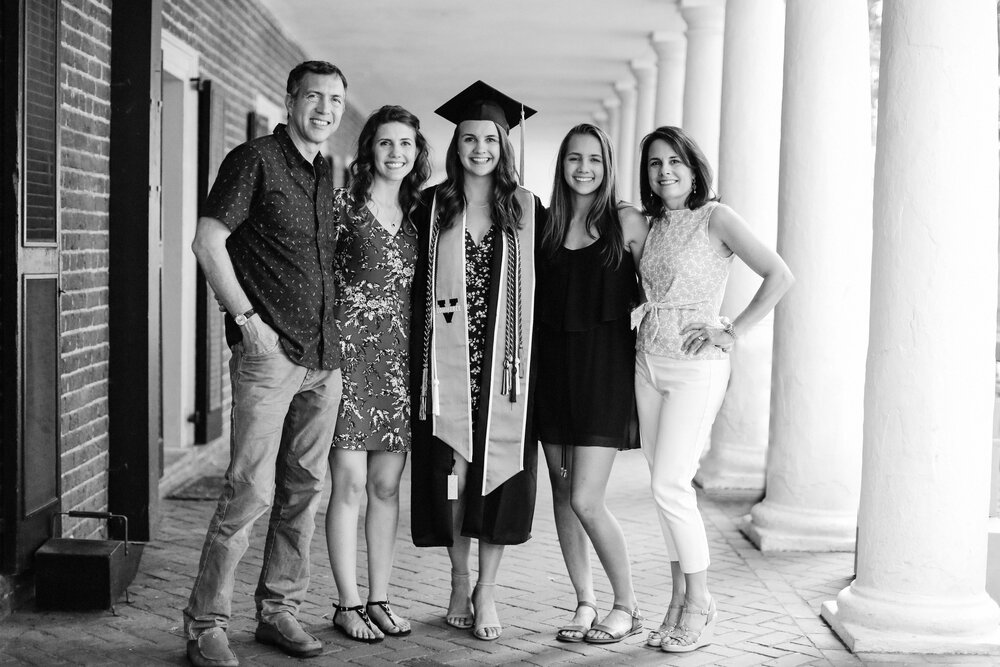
x,y
241,50
84,133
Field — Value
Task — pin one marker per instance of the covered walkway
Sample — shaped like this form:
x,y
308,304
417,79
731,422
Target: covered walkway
x,y
874,436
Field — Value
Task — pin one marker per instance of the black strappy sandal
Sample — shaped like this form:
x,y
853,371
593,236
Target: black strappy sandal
x,y
395,630
360,611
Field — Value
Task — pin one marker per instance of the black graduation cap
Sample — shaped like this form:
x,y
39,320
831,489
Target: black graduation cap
x,y
481,101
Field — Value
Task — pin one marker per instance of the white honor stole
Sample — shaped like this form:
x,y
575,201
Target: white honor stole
x,y
509,357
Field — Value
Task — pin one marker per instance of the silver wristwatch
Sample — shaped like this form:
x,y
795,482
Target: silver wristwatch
x,y
242,318
727,326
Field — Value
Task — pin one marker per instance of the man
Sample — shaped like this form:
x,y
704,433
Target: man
x,y
265,241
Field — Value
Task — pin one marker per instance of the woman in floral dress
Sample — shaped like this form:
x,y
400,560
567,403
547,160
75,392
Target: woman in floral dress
x,y
374,270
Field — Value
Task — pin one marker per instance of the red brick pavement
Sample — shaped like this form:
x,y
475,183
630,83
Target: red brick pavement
x,y
768,604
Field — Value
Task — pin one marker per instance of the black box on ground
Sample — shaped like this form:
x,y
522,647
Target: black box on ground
x,y
85,574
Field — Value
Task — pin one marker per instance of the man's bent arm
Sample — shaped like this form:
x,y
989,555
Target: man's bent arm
x,y
209,247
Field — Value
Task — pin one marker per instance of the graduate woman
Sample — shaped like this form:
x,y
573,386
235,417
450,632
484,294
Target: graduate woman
x,y
585,408
374,269
473,464
682,355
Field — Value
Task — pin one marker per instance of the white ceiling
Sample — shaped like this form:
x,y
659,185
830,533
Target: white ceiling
x,y
561,57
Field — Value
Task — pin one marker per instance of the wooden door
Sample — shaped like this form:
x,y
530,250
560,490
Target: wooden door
x,y
30,322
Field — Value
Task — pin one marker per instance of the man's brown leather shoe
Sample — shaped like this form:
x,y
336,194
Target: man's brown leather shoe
x,y
211,649
285,632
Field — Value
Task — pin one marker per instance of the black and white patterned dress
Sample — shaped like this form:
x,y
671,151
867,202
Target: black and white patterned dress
x,y
374,275
477,290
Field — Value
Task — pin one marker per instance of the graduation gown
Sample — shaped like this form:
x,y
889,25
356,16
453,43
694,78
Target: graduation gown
x,y
504,514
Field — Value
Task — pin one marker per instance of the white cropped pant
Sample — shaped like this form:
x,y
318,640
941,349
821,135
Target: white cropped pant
x,y
677,400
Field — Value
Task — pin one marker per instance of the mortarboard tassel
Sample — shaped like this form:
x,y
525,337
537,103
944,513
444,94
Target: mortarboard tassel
x,y
521,174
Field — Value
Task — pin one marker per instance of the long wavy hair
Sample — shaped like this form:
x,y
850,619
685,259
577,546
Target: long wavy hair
x,y
505,210
362,169
603,213
691,155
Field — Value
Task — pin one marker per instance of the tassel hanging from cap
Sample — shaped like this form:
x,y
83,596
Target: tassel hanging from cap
x,y
481,101
520,175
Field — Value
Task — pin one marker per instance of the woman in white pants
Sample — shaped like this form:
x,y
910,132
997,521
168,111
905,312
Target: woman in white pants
x,y
682,358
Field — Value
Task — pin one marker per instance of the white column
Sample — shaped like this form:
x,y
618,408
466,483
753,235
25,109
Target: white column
x,y
821,326
626,145
600,119
703,73
921,560
613,107
645,107
748,180
671,48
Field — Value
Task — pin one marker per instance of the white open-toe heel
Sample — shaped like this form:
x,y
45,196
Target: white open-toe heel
x,y
689,638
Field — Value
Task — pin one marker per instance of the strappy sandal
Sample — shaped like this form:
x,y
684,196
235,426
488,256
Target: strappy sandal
x,y
463,620
695,638
479,630
563,634
393,630
360,611
615,637
657,636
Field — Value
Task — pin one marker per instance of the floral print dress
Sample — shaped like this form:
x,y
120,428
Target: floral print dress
x,y
478,261
374,273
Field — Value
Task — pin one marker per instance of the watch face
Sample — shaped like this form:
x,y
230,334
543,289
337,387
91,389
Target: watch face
x,y
241,320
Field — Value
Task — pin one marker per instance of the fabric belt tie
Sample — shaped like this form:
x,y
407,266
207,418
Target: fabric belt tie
x,y
640,312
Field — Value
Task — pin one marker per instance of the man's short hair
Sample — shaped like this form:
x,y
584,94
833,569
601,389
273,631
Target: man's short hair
x,y
314,67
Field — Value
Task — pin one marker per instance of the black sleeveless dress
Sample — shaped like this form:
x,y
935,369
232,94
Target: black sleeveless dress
x,y
585,394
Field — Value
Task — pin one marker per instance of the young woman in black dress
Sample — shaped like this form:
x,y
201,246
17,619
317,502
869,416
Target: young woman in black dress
x,y
585,405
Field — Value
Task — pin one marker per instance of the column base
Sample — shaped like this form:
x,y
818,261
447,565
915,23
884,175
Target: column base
x,y
877,622
732,471
736,461
774,527
866,640
993,559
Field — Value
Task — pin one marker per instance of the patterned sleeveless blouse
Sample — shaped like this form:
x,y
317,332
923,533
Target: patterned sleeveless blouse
x,y
684,279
